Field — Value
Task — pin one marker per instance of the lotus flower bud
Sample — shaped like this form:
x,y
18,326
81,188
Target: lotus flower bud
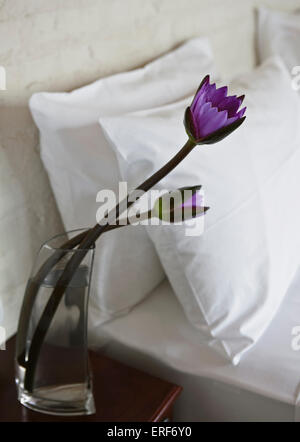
x,y
213,115
179,205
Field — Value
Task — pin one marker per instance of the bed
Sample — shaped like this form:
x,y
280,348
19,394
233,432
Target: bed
x,y
155,336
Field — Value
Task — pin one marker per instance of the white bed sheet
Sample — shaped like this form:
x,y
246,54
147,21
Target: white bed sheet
x,y
157,337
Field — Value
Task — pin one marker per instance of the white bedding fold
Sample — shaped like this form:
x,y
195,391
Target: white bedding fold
x,y
159,328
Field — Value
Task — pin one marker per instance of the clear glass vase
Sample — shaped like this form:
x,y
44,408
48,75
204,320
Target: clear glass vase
x,y
52,367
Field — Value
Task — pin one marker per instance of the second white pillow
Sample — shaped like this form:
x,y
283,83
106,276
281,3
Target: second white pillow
x,y
279,34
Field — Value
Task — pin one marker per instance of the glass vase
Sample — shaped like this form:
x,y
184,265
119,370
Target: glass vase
x,y
52,367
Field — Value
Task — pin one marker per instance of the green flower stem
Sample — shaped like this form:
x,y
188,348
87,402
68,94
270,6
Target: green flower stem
x,y
32,291
33,288
71,267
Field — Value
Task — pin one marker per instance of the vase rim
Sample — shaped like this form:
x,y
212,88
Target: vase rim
x,y
50,243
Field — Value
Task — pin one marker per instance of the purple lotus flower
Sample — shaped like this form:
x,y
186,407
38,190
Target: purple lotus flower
x,y
213,115
180,205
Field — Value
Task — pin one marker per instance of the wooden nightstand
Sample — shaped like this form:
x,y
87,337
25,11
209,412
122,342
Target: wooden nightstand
x,y
122,393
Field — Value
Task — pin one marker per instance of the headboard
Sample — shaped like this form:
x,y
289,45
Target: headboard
x,y
59,45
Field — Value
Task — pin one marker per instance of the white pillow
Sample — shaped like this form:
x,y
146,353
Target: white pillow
x,y
279,33
80,162
232,279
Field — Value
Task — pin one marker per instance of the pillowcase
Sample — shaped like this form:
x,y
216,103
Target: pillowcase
x,y
80,163
279,33
231,279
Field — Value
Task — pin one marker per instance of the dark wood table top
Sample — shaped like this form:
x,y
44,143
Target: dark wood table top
x,y
121,393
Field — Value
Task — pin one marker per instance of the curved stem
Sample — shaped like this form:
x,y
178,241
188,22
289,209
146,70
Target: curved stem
x,y
32,291
73,264
33,288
